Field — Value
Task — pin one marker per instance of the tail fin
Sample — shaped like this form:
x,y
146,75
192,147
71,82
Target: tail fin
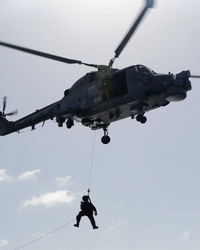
x,y
4,125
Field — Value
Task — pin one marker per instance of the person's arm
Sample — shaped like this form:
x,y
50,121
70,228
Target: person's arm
x,y
94,209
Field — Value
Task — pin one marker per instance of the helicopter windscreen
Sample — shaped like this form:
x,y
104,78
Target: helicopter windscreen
x,y
145,71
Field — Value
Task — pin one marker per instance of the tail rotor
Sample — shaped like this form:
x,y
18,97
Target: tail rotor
x,y
3,113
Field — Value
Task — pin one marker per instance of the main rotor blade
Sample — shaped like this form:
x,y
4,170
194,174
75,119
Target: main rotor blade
x,y
149,4
12,113
46,55
193,76
4,104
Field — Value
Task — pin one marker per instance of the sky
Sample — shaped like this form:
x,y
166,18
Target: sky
x,y
145,183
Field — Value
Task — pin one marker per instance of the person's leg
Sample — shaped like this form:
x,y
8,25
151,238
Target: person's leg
x,y
78,219
90,216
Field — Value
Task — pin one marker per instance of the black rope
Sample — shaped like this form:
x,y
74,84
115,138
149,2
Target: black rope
x,y
43,236
91,162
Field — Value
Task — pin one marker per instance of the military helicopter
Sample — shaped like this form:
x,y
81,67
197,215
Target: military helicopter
x,y
106,94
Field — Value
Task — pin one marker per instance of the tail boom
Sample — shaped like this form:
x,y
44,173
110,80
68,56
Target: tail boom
x,y
5,125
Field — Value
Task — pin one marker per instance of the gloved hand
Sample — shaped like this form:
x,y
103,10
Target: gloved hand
x,y
95,213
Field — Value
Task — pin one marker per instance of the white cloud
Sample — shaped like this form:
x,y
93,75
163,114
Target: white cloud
x,y
118,225
3,243
4,176
184,236
29,175
50,199
63,181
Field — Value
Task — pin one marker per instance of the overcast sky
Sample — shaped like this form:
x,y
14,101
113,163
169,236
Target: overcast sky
x,y
145,183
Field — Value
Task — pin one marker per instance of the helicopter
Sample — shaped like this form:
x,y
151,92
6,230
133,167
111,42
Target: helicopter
x,y
107,94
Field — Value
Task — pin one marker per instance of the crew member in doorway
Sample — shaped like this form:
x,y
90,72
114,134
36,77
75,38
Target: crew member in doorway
x,y
87,209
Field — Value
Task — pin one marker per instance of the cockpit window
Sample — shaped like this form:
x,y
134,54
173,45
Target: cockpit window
x,y
145,71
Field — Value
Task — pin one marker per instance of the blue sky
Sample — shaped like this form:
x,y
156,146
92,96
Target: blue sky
x,y
145,183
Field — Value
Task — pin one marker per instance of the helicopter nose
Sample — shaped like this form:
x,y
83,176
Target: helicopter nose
x,y
183,78
179,86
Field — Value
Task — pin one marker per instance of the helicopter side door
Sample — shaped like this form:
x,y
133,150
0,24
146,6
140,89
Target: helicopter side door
x,y
103,92
93,94
119,85
107,89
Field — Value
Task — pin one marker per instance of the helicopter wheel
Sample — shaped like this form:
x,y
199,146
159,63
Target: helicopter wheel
x,y
69,123
141,118
60,121
60,124
105,139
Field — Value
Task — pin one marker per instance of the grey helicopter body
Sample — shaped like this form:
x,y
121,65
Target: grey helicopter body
x,y
105,95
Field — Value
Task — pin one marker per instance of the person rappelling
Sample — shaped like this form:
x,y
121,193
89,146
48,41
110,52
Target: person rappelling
x,y
87,209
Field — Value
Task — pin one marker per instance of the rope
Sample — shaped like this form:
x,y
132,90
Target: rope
x,y
91,162
43,236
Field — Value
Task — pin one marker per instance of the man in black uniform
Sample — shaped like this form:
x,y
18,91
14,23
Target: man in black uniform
x,y
87,209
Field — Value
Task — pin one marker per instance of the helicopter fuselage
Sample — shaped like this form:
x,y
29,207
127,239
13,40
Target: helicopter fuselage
x,y
107,95
123,93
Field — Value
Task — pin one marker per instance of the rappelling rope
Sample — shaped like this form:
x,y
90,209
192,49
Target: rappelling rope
x,y
44,235
91,163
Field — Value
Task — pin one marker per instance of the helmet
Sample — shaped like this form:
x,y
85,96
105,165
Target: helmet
x,y
85,198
